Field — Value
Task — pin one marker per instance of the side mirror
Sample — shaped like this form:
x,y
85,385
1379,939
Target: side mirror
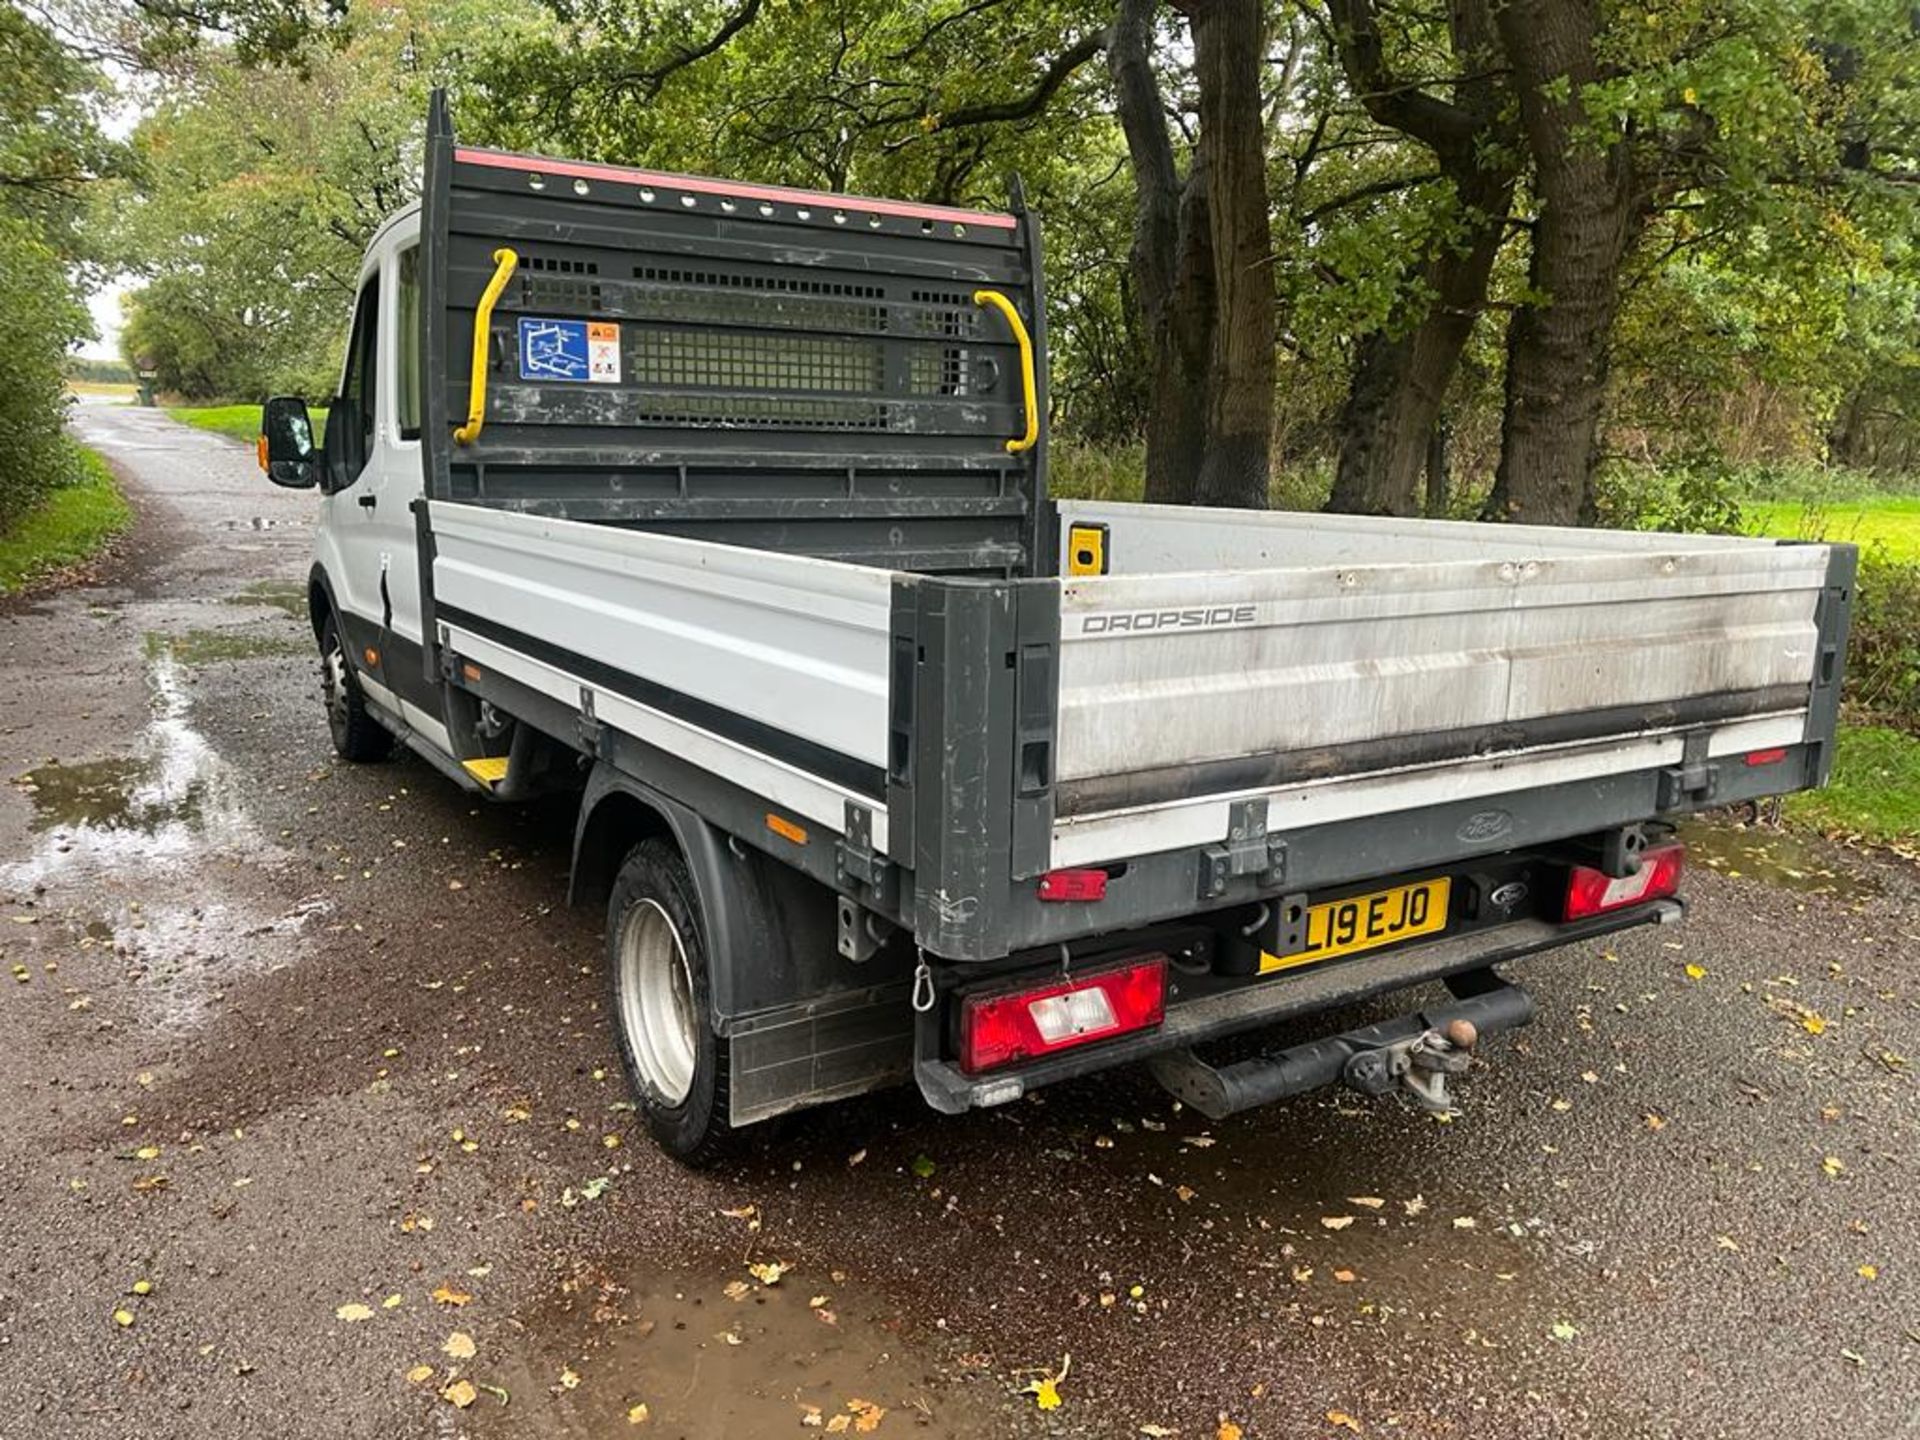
x,y
287,451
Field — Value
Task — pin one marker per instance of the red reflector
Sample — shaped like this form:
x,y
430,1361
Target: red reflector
x,y
1024,1024
1073,885
1589,892
1767,757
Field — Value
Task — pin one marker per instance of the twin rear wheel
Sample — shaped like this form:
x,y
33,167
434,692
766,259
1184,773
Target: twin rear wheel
x,y
657,963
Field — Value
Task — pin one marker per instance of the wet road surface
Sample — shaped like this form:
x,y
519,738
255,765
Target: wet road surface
x,y
310,1126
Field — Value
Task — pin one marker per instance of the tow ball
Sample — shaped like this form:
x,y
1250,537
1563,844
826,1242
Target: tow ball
x,y
1419,1066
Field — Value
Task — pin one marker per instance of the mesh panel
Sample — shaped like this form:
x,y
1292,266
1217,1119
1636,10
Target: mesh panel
x,y
793,301
719,359
549,284
721,411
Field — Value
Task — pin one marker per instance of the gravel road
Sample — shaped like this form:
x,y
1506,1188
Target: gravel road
x,y
310,1126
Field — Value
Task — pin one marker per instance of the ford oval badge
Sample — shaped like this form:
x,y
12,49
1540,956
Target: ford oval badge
x,y
1484,826
1508,895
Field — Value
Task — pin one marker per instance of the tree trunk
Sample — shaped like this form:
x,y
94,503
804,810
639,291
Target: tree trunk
x,y
1229,45
1400,380
1172,264
1592,208
1402,371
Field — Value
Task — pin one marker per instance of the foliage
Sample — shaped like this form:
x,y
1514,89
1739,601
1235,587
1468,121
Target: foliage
x,y
1875,790
97,372
51,143
1883,651
41,319
68,526
1697,493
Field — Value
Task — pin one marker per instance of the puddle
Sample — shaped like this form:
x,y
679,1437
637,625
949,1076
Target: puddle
x,y
708,1362
283,595
115,837
1775,857
259,522
204,647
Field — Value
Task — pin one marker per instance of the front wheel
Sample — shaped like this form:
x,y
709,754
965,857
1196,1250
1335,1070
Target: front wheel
x,y
657,964
357,736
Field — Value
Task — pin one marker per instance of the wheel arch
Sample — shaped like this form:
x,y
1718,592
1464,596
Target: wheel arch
x,y
320,601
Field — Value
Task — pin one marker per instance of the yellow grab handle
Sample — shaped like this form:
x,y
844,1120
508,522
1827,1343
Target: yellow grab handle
x,y
505,262
1019,328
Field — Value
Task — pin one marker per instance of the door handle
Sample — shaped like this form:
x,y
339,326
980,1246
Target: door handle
x,y
369,501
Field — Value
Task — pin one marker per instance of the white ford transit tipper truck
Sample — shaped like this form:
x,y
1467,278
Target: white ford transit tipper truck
x,y
725,507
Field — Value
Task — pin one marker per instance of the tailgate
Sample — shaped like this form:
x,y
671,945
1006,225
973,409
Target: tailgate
x,y
1345,689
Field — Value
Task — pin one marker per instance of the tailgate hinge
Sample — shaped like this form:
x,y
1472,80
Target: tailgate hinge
x,y
1694,779
855,863
1249,850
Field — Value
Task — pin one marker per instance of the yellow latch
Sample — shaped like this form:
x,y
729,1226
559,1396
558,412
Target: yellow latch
x,y
505,261
1028,392
1087,549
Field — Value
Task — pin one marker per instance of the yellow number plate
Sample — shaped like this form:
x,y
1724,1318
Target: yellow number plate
x,y
1366,922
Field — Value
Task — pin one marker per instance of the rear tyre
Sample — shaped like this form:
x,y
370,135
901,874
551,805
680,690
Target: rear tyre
x,y
662,1004
357,736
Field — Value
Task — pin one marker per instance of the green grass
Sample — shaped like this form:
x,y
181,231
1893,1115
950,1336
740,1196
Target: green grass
x,y
1875,790
69,526
114,389
236,422
1890,523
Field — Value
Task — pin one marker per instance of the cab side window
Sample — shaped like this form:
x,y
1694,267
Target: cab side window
x,y
406,319
350,425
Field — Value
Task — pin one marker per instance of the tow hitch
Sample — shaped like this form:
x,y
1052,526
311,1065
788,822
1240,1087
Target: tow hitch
x,y
1415,1053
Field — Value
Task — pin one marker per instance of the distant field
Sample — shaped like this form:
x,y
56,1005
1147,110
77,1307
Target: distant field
x,y
112,389
1890,522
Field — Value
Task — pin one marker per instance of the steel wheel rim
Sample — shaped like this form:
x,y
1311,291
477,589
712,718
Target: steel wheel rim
x,y
333,684
656,1001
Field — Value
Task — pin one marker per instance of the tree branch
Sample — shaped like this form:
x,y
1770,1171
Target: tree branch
x,y
1021,107
1388,98
648,82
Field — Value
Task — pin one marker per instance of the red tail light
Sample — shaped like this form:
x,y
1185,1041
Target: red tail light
x,y
1023,1024
1767,757
1073,885
1590,892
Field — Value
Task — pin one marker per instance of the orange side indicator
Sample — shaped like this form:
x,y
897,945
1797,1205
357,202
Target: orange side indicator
x,y
260,449
786,829
469,670
372,657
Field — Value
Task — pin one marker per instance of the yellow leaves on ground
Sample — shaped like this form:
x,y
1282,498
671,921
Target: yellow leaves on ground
x,y
1228,1430
447,1295
768,1272
123,1318
1696,972
1336,1222
419,1374
638,1414
1833,1166
1868,1272
569,1379
353,1313
1045,1387
1370,1202
1341,1420
460,1394
459,1345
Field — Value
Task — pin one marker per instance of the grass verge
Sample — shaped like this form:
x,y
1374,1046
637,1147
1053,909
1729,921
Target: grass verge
x,y
1887,523
1875,790
237,422
69,526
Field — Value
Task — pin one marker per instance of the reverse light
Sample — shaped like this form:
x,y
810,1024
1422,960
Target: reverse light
x,y
1024,1024
1591,892
1073,885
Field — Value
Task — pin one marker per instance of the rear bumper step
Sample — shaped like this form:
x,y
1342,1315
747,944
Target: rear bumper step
x,y
1492,1005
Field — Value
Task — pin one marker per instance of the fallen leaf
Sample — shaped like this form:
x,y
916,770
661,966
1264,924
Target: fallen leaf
x,y
1563,1331
419,1374
1186,1193
1045,1392
1345,1277
447,1295
1371,1202
1416,1206
569,1380
1696,972
460,1394
143,1287
1868,1272
1853,1356
1157,1432
637,1414
1562,1105
147,1152
459,1345
1336,1222
392,1302
866,1415
736,1289
922,1167
353,1313
1726,1242
837,1424
1228,1430
1654,1121
1343,1421
1465,1222
769,1272
123,1318
1831,1164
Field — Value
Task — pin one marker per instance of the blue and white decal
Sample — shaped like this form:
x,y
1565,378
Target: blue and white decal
x,y
554,350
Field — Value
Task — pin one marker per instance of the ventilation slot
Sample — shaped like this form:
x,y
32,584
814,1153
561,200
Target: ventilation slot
x,y
554,284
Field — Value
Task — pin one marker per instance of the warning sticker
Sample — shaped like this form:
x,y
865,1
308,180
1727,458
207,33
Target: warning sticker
x,y
603,353
573,351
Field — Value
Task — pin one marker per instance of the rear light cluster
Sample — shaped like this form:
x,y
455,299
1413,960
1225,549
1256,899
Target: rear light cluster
x,y
1025,1024
1593,892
